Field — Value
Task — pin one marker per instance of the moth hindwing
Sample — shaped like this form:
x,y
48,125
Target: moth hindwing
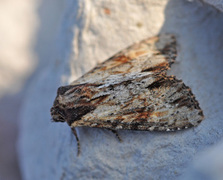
x,y
130,90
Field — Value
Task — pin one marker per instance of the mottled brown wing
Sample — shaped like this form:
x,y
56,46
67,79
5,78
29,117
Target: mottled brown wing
x,y
154,54
142,101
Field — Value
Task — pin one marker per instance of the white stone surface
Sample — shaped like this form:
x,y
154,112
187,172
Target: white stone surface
x,y
91,31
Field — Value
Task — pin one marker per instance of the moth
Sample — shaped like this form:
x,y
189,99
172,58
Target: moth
x,y
130,91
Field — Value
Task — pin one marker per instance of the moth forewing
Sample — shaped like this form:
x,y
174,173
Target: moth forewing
x,y
152,54
130,90
150,102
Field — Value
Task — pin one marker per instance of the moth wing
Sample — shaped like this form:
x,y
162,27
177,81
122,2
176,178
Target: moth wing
x,y
158,104
154,54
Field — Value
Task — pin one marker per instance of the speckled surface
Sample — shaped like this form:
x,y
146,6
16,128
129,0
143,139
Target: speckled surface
x,y
48,150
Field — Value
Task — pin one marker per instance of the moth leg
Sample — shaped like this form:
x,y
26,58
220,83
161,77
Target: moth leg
x,y
116,134
78,141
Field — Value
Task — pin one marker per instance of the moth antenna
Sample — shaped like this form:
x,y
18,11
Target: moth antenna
x,y
116,134
78,141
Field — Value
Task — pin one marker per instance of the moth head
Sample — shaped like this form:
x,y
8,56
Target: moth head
x,y
72,103
57,114
58,110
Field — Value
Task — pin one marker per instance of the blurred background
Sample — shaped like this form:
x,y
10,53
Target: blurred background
x,y
27,34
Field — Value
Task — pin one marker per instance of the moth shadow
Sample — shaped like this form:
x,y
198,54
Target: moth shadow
x,y
91,134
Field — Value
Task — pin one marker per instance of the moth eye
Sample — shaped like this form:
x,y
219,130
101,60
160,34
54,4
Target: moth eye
x,y
56,111
57,114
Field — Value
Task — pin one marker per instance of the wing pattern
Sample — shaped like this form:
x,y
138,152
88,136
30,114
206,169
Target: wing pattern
x,y
131,90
